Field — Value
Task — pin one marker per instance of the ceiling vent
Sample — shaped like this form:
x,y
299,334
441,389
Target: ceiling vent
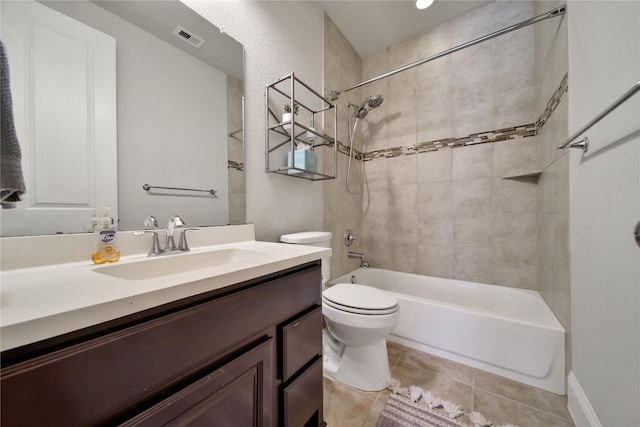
x,y
188,36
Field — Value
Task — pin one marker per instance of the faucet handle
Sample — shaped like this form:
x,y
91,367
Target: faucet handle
x,y
183,245
349,237
151,222
155,242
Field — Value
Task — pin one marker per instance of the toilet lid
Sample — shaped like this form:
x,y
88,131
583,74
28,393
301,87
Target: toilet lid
x,y
360,299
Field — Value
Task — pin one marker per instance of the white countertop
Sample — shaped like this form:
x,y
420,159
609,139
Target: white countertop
x,y
45,301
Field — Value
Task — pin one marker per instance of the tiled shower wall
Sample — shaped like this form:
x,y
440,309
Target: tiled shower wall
x,y
464,213
479,212
553,187
342,210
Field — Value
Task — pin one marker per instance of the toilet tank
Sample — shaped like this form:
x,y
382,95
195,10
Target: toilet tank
x,y
312,238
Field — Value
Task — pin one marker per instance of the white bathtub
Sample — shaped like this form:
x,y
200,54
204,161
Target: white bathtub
x,y
506,331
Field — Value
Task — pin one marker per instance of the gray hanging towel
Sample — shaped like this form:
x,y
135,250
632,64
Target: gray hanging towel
x,y
11,179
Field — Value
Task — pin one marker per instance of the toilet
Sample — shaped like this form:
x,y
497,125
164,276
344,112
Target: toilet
x,y
357,320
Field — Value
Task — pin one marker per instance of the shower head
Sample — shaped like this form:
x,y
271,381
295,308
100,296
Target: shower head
x,y
367,105
374,101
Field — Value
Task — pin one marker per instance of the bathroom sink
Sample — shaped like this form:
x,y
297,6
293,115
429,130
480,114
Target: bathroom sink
x,y
164,265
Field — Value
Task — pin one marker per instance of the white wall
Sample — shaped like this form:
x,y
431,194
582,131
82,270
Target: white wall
x,y
604,61
278,37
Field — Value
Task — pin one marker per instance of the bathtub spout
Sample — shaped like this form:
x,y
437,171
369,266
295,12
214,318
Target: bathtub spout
x,y
360,256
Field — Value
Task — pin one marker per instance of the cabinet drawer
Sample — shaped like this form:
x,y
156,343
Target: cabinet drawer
x,y
301,342
303,397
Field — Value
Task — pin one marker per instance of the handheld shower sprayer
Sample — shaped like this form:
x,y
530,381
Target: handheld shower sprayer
x,y
360,112
368,104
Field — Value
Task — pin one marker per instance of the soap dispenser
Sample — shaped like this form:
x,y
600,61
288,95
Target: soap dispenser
x,y
107,245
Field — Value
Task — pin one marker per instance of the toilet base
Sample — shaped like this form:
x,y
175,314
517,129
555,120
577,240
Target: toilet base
x,y
364,367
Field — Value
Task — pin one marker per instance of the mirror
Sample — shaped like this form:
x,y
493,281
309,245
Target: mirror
x,y
177,120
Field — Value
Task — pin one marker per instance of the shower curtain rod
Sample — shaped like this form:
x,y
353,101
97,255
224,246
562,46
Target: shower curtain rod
x,y
551,14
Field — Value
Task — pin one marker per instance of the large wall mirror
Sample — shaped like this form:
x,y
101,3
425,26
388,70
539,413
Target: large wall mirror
x,y
111,95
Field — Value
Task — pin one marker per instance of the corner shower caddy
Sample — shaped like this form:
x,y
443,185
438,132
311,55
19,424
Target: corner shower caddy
x,y
284,137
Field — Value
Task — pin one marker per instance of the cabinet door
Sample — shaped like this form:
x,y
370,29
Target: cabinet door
x,y
238,395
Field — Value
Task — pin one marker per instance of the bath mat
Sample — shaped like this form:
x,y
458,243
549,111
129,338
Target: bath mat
x,y
413,407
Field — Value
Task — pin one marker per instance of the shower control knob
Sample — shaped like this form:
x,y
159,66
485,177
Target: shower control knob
x,y
349,237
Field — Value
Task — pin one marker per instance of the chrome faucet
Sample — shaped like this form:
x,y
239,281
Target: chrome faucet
x,y
360,256
174,222
156,249
170,245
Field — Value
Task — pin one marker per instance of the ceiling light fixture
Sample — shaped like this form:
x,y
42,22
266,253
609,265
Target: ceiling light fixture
x,y
423,4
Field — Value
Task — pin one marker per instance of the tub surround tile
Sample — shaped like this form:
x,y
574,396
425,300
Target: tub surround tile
x,y
468,122
514,157
516,70
515,268
513,231
474,24
374,131
375,64
473,162
434,166
473,65
434,261
515,195
435,230
403,53
377,253
376,202
472,196
401,127
562,296
434,102
435,198
403,199
473,230
402,229
402,255
342,210
448,101
436,40
560,239
473,264
514,106
402,170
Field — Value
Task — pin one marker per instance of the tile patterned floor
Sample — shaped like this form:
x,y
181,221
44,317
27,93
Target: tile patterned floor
x,y
498,399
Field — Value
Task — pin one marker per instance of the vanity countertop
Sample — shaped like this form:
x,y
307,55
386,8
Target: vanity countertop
x,y
49,300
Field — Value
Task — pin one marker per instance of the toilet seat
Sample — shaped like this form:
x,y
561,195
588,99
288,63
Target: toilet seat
x,y
359,299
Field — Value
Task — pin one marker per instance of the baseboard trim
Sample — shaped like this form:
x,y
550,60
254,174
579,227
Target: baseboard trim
x,y
579,406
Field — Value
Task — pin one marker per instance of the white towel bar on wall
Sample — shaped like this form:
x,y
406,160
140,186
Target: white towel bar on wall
x,y
584,142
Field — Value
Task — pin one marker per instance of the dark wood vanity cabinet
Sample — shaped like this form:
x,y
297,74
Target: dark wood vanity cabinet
x,y
245,355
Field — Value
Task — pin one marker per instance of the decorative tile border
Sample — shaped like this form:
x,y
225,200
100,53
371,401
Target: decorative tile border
x,y
235,165
553,102
522,131
473,139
